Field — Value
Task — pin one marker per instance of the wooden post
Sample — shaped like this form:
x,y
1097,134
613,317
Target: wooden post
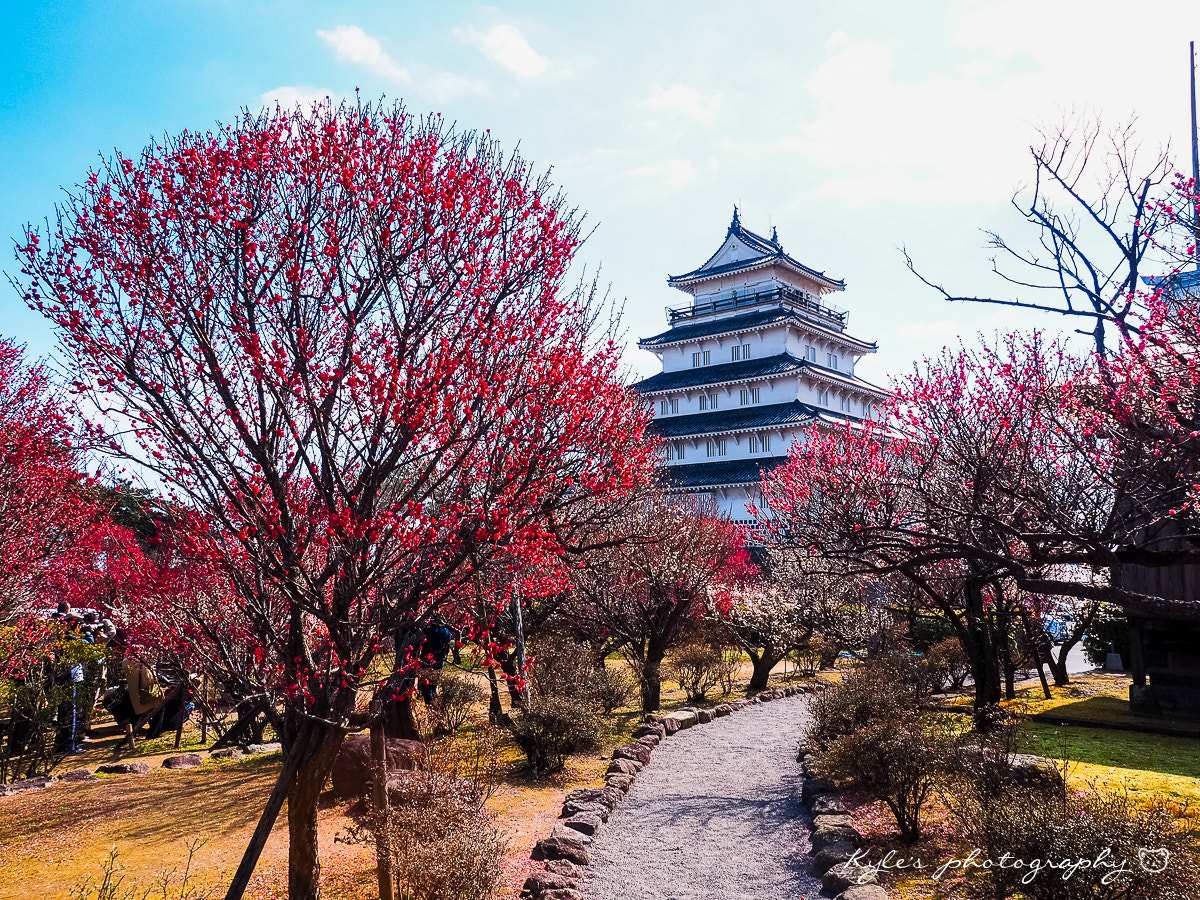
x,y
283,784
203,704
383,838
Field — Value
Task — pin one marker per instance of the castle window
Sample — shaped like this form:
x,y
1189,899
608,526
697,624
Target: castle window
x,y
810,353
751,395
745,351
716,447
823,397
674,405
831,358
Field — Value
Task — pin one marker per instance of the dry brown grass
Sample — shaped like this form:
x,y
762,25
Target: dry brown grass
x,y
53,840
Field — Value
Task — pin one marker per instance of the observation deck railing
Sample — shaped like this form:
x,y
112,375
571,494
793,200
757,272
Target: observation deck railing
x,y
801,302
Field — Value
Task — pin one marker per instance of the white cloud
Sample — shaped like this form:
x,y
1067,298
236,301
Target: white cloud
x,y
289,96
687,101
922,142
674,173
923,331
505,46
353,45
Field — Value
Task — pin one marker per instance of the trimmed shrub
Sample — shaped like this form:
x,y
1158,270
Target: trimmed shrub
x,y
949,664
445,844
697,669
875,690
456,698
549,729
896,757
612,688
1091,846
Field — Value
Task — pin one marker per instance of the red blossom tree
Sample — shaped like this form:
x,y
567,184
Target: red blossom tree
x,y
985,482
650,577
342,338
45,505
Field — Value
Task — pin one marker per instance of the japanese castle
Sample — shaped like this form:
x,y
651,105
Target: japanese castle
x,y
757,357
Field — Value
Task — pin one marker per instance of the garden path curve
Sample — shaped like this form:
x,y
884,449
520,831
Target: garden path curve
x,y
716,814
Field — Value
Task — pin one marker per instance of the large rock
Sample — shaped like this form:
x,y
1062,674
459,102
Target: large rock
x,y
594,795
825,859
824,804
650,740
182,761
624,767
621,782
258,749
227,753
814,786
543,880
563,833
575,807
723,710
838,834
123,769
704,716
36,783
681,718
650,728
566,869
557,847
80,775
833,820
585,823
351,772
1037,774
845,875
635,751
863,892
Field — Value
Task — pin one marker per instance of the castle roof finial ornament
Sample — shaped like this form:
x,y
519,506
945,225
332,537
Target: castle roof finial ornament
x,y
775,237
736,224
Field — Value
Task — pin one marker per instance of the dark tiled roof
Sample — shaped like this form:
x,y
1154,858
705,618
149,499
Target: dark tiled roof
x,y
736,471
746,370
772,415
717,326
768,248
732,371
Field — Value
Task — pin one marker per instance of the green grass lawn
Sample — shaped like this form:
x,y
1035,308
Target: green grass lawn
x,y
1143,764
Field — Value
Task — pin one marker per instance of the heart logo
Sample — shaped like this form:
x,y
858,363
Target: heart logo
x,y
1154,861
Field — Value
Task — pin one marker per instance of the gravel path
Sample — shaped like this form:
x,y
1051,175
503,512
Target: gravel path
x,y
715,816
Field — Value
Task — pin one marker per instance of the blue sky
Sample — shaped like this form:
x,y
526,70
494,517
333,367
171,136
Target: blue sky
x,y
854,128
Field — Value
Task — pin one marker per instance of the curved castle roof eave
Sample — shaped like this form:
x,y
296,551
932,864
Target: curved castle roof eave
x,y
700,276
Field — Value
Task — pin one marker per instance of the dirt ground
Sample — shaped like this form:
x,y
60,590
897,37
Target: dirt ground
x,y
54,840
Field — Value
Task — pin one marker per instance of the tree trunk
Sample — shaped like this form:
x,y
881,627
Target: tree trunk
x,y
763,663
399,722
651,681
304,861
982,650
495,710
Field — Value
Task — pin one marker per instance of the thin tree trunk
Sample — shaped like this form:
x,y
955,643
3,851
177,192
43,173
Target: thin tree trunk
x,y
495,709
304,859
379,800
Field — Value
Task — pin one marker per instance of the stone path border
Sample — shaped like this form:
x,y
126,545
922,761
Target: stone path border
x,y
834,838
585,810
